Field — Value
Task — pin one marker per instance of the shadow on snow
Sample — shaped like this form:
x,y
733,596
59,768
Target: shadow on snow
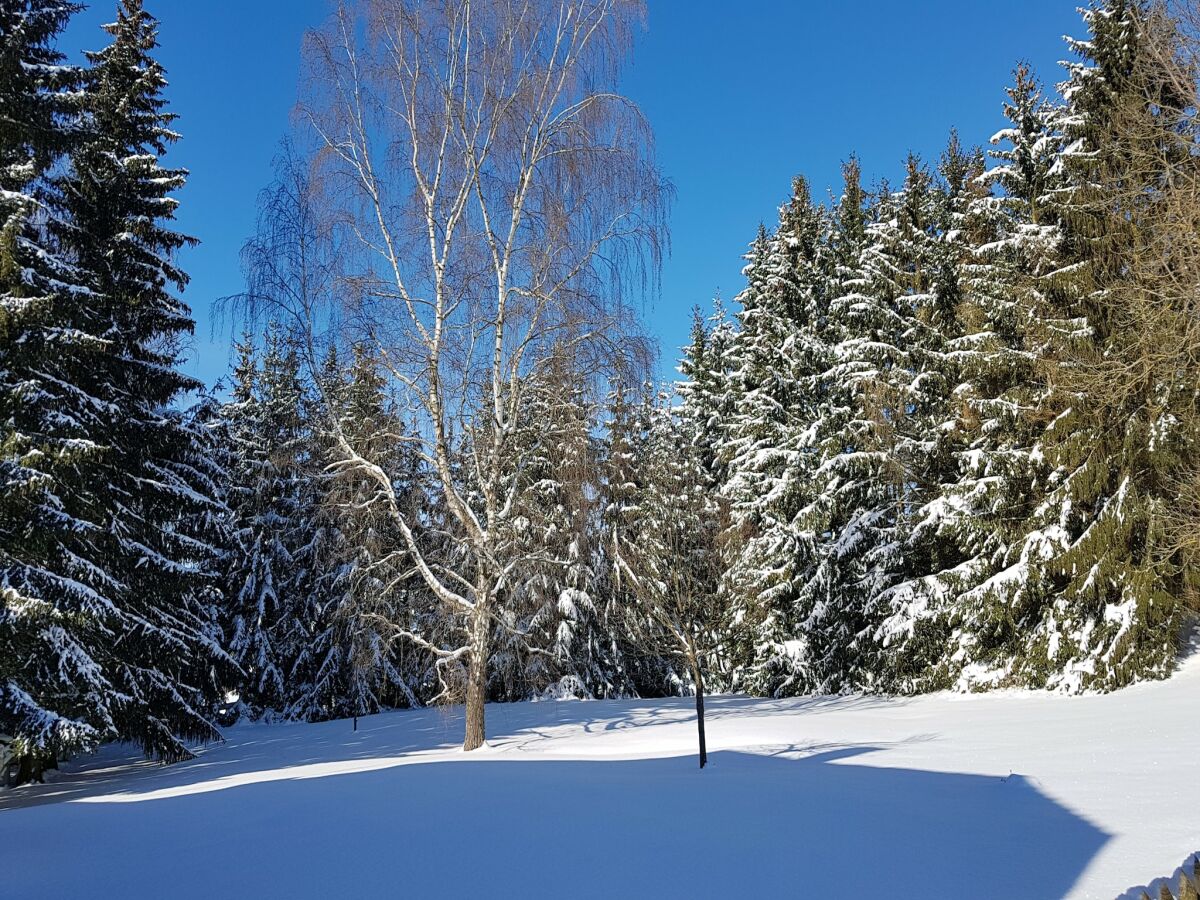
x,y
386,739
750,825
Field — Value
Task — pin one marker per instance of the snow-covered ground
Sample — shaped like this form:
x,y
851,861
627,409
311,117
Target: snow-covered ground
x,y
1007,796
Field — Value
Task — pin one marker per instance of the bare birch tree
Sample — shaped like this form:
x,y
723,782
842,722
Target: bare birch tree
x,y
501,199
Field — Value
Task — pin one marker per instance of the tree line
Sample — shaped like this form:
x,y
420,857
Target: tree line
x,y
945,439
955,420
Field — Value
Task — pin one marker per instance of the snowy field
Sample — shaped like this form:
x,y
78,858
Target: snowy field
x,y
1006,796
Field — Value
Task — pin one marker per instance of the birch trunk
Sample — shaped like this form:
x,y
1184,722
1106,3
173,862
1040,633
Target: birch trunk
x,y
477,676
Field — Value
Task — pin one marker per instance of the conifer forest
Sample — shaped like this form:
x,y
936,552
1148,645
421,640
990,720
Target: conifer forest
x,y
944,441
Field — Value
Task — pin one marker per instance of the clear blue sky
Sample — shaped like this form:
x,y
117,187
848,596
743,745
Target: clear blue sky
x,y
743,94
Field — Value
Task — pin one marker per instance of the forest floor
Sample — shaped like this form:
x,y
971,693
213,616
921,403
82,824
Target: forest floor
x,y
1009,795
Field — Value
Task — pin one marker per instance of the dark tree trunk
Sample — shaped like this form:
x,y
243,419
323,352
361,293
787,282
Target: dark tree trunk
x,y
700,713
29,767
477,682
475,700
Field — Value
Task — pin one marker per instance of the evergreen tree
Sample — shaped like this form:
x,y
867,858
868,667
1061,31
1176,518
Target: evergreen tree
x,y
1114,613
273,607
705,390
861,431
118,207
780,355
673,568
1005,327
353,666
109,579
625,467
549,637
937,233
50,574
707,403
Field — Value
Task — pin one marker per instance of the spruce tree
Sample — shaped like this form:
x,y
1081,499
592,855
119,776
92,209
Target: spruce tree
x,y
107,616
625,466
707,403
353,665
1006,327
117,210
673,568
272,607
705,390
549,636
860,431
933,258
52,582
1116,614
781,354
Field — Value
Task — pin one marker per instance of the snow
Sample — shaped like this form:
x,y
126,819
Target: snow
x,y
1007,795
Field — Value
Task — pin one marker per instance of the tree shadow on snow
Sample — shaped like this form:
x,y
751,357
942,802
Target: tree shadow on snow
x,y
384,739
749,825
525,725
250,748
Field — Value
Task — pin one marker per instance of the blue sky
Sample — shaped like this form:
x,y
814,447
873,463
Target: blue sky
x,y
743,94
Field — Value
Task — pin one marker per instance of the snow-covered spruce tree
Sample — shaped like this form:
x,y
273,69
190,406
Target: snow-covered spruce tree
x,y
673,568
48,569
353,665
326,639
565,496
208,527
706,408
891,358
273,607
104,575
117,225
705,391
860,432
1113,444
990,609
315,664
550,636
246,604
624,466
777,357
935,268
